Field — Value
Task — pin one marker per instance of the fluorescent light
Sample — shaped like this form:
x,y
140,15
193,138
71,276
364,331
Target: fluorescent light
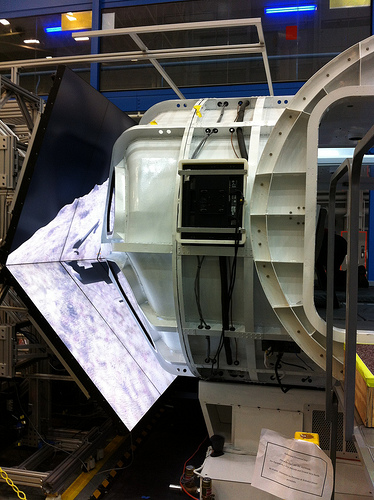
x,y
296,8
53,29
31,40
5,22
81,38
48,57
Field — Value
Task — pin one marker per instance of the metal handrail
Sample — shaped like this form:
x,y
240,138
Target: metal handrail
x,y
330,292
354,172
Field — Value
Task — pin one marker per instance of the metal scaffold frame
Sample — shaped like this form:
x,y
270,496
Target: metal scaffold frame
x,y
153,56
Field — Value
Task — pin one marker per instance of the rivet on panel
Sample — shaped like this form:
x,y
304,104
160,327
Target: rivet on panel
x,y
349,58
328,75
280,133
270,154
321,355
268,276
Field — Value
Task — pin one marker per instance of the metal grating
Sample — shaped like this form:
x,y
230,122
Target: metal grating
x,y
322,427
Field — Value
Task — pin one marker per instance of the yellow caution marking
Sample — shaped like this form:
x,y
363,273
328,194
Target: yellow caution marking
x,y
312,437
197,108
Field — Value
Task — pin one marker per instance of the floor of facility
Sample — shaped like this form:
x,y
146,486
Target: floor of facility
x,y
147,462
151,458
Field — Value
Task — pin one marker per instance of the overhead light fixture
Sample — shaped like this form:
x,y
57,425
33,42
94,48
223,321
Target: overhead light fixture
x,y
5,22
48,57
53,29
290,9
81,38
31,40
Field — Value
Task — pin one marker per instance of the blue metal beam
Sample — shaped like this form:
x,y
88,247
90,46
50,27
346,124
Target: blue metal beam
x,y
95,44
24,8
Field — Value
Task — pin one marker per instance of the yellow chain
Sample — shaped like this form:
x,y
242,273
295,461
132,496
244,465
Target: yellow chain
x,y
20,494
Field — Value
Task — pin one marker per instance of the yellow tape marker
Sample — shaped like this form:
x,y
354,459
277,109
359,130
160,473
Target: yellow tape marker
x,y
197,108
312,437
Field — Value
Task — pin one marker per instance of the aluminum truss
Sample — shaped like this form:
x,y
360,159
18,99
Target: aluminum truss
x,y
153,56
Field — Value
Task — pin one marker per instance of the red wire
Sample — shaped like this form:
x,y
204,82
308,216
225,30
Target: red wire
x,y
181,485
184,468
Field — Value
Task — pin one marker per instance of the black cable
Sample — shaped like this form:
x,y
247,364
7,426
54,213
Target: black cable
x,y
239,211
241,110
199,147
30,337
225,306
207,358
224,105
215,360
239,131
203,323
58,448
292,364
303,361
276,368
241,142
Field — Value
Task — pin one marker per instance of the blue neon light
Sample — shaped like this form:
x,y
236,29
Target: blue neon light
x,y
299,8
53,29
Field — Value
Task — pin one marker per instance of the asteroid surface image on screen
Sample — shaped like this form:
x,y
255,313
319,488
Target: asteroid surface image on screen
x,y
55,254
60,269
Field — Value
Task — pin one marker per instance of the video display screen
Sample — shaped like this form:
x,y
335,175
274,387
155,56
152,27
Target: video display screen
x,y
55,252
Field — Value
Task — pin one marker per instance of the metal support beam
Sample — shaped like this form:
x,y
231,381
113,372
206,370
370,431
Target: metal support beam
x,y
330,292
354,172
154,55
95,44
134,32
157,65
352,282
25,477
60,358
94,440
